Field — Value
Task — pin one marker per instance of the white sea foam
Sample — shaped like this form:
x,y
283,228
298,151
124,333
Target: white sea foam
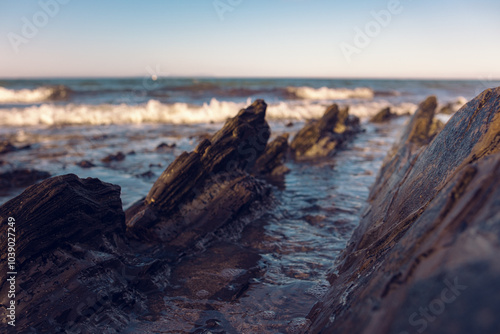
x,y
177,113
325,93
26,95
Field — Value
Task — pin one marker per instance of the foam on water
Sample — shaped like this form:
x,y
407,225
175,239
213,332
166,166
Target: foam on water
x,y
325,93
177,113
40,94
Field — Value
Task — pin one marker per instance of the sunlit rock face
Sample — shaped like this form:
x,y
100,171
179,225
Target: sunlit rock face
x,y
321,138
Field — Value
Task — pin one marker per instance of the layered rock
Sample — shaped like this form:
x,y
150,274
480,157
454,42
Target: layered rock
x,y
69,240
383,116
272,161
424,257
321,138
203,190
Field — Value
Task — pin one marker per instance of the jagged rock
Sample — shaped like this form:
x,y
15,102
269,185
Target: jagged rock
x,y
321,138
21,178
68,233
418,132
203,190
425,255
272,161
383,116
114,157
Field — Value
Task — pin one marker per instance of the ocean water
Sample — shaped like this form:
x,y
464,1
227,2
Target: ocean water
x,y
194,101
313,211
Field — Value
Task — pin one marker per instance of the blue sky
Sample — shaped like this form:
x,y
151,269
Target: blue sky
x,y
266,38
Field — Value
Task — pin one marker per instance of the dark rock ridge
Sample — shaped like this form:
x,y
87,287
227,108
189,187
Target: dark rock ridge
x,y
203,190
272,161
68,259
383,115
321,138
425,256
21,178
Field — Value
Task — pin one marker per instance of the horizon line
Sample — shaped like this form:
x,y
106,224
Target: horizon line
x,y
252,77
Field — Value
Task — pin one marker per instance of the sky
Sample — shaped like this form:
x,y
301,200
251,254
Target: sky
x,y
250,38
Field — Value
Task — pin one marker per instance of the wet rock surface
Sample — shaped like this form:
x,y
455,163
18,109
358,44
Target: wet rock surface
x,y
425,256
321,138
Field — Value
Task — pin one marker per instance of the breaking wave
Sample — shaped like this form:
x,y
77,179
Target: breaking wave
x,y
325,93
41,94
176,113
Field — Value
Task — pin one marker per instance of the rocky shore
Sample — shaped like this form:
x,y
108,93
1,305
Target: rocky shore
x,y
423,257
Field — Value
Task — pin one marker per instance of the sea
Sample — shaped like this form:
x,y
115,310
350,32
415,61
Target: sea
x,y
297,236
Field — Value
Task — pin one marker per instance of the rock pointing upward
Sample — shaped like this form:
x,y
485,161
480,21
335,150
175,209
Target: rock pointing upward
x,y
202,190
320,139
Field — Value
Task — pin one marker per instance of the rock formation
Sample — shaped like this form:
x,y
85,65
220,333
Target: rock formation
x,y
383,116
321,138
203,190
68,234
425,256
271,162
